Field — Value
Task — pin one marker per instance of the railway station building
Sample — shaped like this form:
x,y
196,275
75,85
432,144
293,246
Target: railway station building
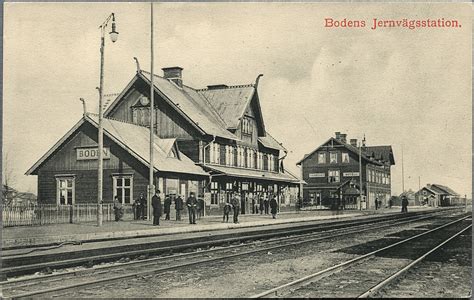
x,y
332,175
210,141
436,195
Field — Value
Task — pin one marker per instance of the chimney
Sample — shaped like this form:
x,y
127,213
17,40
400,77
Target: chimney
x,y
338,135
353,142
174,74
343,138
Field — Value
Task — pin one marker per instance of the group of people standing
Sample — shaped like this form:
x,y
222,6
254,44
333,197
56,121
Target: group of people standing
x,y
263,205
195,207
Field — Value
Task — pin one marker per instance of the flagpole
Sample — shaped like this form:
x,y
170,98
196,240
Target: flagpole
x,y
152,119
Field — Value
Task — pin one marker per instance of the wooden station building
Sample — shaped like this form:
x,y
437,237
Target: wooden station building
x,y
209,141
436,195
332,174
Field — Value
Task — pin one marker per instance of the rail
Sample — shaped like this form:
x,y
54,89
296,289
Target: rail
x,y
280,290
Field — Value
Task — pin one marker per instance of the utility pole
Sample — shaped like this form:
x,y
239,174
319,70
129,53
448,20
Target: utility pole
x,y
151,188
403,174
360,175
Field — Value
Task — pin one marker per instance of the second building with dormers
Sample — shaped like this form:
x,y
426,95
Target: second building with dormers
x,y
332,173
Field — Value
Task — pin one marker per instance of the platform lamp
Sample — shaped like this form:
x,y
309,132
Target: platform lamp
x,y
113,36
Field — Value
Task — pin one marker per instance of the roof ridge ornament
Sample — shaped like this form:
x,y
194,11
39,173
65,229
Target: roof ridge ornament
x,y
257,80
138,65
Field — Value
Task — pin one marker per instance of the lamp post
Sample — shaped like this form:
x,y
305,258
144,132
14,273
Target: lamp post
x,y
113,36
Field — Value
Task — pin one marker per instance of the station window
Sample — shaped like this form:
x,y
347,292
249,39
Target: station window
x,y
65,190
123,188
247,125
345,157
333,158
214,192
321,158
333,176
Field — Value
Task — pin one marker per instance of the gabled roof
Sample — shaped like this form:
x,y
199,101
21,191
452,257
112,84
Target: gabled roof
x,y
444,188
229,101
346,146
437,190
185,101
213,111
429,190
270,142
194,108
384,153
135,140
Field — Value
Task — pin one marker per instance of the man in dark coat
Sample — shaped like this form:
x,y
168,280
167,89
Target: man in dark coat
x,y
227,210
178,205
404,204
138,207
118,210
265,203
260,202
156,204
191,203
236,205
274,207
143,207
167,206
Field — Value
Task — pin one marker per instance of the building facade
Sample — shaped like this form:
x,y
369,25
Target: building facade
x,y
436,195
333,174
209,141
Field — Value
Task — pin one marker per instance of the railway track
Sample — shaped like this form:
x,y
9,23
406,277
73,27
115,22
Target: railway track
x,y
54,283
367,274
20,264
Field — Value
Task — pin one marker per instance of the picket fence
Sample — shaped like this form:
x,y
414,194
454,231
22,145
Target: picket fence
x,y
44,214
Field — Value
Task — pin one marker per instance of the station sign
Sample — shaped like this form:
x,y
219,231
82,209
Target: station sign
x,y
350,174
91,153
316,175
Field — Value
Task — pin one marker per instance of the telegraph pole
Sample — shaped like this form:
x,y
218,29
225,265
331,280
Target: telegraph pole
x,y
403,174
360,175
152,119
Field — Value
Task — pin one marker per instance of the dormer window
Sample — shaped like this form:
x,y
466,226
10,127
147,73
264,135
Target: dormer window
x,y
173,152
247,127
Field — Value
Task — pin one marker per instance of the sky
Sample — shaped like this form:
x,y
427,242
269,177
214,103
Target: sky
x,y
410,89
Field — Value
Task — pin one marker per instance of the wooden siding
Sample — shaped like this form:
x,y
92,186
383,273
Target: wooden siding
x,y
86,185
190,148
65,158
168,123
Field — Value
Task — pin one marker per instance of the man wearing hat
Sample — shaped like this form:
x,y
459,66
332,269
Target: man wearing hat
x,y
156,204
191,203
404,204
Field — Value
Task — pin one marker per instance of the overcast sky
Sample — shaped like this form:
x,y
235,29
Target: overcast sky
x,y
399,87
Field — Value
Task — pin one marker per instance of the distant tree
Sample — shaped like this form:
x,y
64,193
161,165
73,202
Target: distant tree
x,y
8,180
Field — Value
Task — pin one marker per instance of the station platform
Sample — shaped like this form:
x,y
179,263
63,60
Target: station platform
x,y
33,236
